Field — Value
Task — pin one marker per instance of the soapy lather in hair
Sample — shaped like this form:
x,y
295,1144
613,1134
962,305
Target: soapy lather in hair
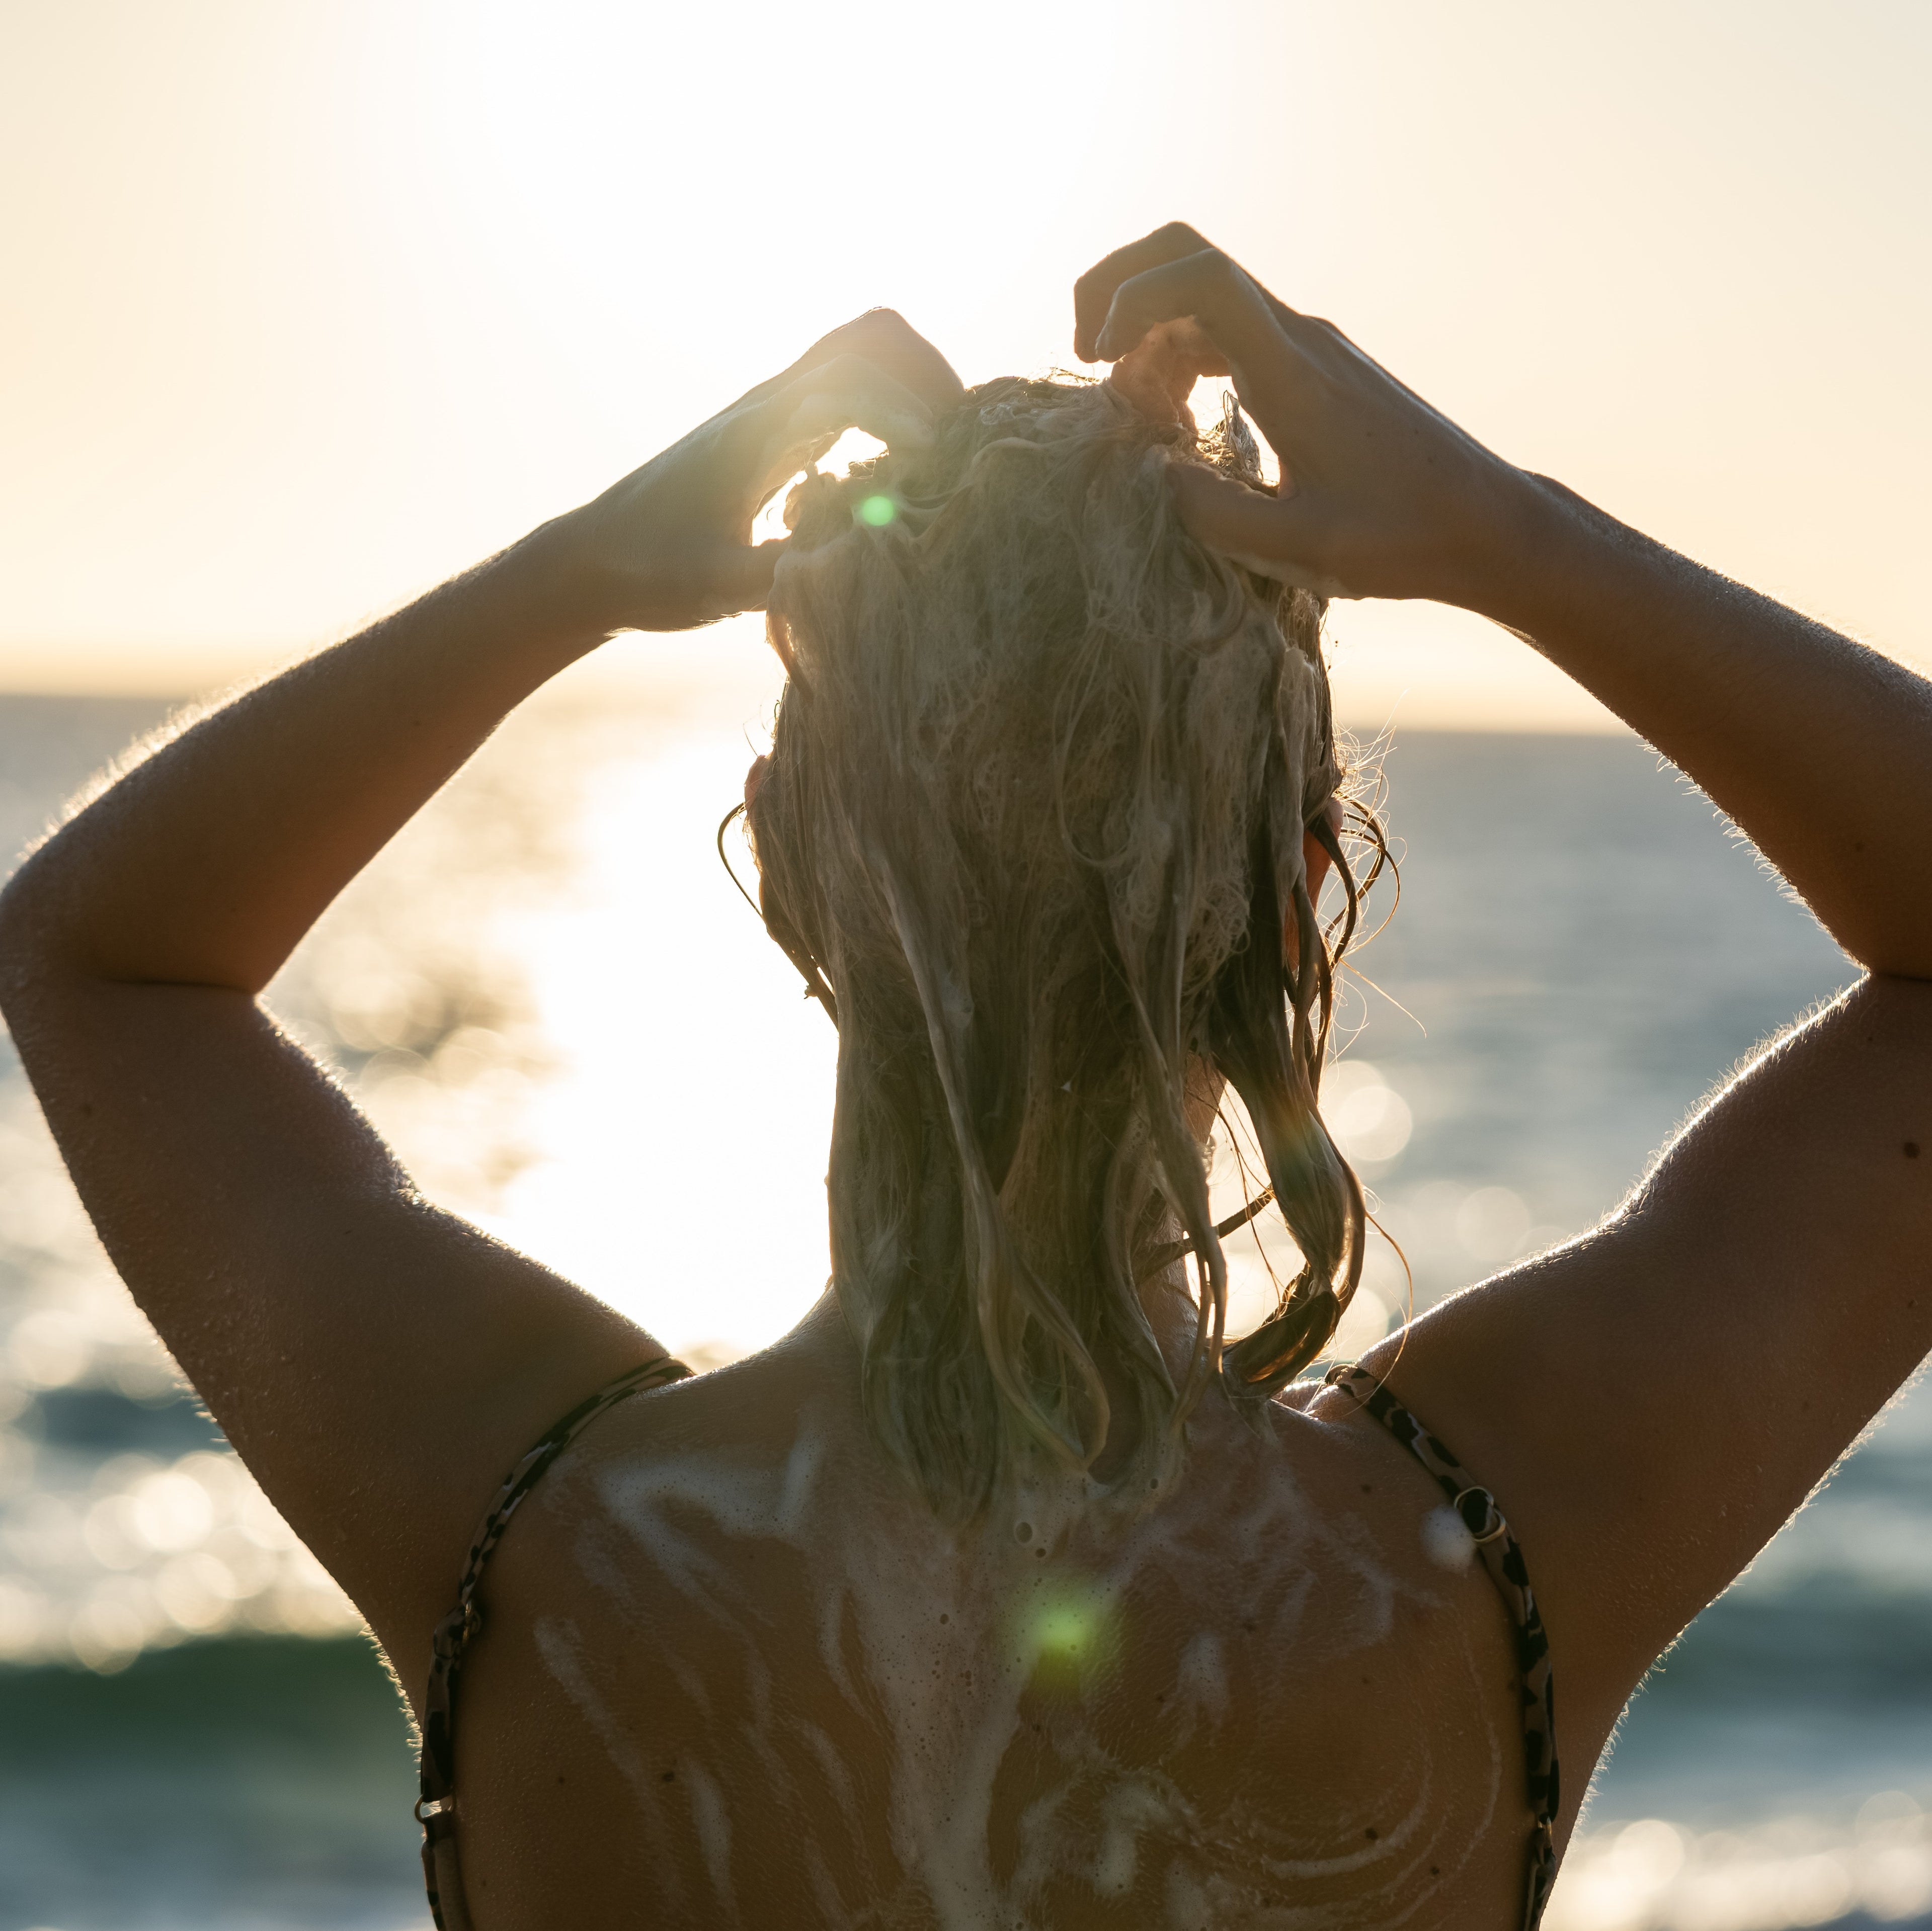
x,y
1032,826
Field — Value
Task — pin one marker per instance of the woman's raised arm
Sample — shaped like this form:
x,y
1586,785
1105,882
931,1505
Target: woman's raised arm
x,y
206,864
1819,748
1650,1402
377,1362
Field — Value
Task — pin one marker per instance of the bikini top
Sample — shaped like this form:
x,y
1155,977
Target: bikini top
x,y
436,1807
1502,1557
1473,1505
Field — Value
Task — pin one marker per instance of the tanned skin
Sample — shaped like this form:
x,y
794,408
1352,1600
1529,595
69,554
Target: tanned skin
x,y
1648,1403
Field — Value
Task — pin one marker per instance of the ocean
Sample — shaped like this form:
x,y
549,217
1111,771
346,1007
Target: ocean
x,y
550,997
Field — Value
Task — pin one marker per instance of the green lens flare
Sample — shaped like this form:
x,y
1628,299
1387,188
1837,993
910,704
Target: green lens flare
x,y
1068,1636
1064,1630
878,511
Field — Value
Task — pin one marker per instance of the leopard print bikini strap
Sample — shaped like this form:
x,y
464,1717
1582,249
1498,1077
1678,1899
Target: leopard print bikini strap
x,y
435,1808
1501,1556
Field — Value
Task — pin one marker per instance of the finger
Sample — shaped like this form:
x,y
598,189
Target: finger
x,y
739,578
797,425
1210,287
1274,537
1094,293
884,336
1158,374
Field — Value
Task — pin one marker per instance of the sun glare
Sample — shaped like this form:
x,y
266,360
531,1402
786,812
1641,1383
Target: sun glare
x,y
680,1148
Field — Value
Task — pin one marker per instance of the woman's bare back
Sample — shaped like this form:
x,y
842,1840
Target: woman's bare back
x,y
732,1666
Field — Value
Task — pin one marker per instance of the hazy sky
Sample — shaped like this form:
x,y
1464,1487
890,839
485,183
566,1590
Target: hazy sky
x,y
306,303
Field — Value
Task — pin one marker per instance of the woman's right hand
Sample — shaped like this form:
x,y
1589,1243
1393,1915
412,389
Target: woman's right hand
x,y
1380,495
670,547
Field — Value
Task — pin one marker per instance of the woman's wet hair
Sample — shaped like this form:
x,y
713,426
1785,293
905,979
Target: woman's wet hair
x,y
1032,823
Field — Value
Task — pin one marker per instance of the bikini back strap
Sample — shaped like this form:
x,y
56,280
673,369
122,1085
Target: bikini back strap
x,y
435,1808
1476,1508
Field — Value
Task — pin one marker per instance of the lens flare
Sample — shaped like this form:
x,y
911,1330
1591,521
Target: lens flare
x,y
1068,1632
878,511
1067,1629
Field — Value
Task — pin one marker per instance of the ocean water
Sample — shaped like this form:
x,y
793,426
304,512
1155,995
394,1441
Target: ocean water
x,y
550,995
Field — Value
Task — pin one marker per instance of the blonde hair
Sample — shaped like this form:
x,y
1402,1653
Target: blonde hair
x,y
1033,824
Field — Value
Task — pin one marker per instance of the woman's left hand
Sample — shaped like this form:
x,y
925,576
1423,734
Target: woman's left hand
x,y
670,547
1381,495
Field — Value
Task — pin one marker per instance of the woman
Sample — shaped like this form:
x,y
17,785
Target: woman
x,y
993,1595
